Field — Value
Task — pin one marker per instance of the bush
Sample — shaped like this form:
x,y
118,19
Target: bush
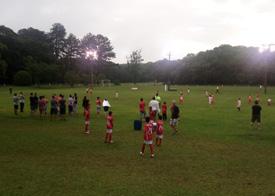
x,y
22,78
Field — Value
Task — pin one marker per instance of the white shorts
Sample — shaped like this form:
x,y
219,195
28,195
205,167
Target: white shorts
x,y
109,131
173,122
148,142
87,122
160,136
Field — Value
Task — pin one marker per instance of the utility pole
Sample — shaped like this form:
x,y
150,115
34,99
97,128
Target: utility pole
x,y
266,60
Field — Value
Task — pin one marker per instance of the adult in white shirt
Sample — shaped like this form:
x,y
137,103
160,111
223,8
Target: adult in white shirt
x,y
106,105
154,104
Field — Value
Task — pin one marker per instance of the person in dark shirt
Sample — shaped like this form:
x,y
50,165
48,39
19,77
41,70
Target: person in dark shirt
x,y
35,102
256,114
62,105
174,116
32,105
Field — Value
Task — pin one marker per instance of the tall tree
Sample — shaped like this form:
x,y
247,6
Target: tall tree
x,y
72,49
134,61
57,37
36,44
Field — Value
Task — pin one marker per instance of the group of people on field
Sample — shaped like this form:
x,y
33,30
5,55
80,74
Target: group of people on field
x,y
154,121
154,114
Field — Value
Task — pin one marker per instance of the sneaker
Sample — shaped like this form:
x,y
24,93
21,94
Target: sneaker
x,y
111,142
152,155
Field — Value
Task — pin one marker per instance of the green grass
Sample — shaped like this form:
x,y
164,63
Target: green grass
x,y
216,152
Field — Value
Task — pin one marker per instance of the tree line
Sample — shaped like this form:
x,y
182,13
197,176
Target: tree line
x,y
32,56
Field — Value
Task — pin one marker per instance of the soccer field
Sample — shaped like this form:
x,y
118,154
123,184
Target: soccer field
x,y
215,152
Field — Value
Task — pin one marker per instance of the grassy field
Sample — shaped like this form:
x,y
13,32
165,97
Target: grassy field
x,y
216,152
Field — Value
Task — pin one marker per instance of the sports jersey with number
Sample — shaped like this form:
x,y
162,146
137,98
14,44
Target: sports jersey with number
x,y
148,132
160,128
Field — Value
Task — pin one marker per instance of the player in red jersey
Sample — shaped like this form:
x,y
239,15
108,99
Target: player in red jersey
x,y
148,138
152,114
160,130
109,130
181,99
87,118
164,110
98,105
250,99
142,109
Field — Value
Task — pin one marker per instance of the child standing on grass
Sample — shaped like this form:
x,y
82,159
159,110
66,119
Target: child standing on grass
x,y
181,99
70,104
21,101
41,105
249,99
164,111
62,105
15,103
148,138
98,105
256,114
142,109
269,101
54,110
109,130
87,118
160,130
239,103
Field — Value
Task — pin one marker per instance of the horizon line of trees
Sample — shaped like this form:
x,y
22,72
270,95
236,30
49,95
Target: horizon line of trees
x,y
32,56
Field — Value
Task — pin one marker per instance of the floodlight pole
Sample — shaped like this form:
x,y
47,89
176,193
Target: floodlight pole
x,y
266,64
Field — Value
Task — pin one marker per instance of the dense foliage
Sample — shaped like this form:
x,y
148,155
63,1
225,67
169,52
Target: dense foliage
x,y
55,57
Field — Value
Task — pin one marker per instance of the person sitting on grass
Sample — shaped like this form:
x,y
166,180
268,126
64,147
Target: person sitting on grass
x,y
109,130
148,137
160,130
174,116
256,115
15,103
87,118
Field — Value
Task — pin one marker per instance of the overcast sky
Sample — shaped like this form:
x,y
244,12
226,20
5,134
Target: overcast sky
x,y
155,26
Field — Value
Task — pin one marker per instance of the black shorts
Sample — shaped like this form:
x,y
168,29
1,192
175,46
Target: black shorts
x,y
256,118
70,108
16,107
32,107
105,108
53,111
62,111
